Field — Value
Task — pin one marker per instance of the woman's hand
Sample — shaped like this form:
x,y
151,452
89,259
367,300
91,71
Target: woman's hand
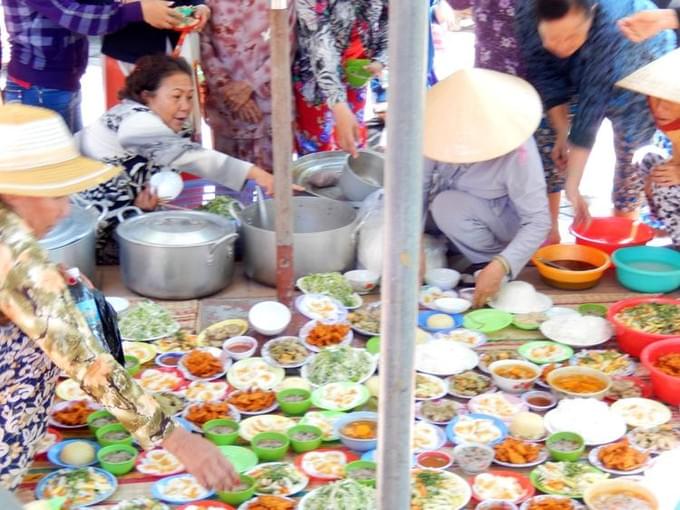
x,y
250,112
375,68
202,14
147,200
202,459
560,152
581,212
265,180
645,24
160,14
236,94
488,283
667,174
346,128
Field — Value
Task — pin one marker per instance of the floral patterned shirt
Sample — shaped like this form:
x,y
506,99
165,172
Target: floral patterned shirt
x,y
42,334
324,28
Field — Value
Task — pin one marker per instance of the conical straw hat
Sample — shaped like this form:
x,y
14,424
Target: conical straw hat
x,y
38,156
478,115
660,78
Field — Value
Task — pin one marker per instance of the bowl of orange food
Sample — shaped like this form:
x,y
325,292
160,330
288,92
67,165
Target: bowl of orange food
x,y
581,382
358,431
514,376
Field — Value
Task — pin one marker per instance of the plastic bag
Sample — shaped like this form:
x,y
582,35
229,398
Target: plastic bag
x,y
109,320
370,249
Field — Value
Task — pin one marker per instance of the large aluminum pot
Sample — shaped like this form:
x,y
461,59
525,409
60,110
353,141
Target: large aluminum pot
x,y
324,238
176,254
72,241
362,175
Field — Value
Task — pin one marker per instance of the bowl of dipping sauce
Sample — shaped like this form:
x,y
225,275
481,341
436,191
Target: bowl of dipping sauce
x,y
240,347
539,400
434,460
571,266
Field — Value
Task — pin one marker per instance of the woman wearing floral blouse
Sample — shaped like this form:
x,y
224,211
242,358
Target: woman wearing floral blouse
x,y
330,32
42,334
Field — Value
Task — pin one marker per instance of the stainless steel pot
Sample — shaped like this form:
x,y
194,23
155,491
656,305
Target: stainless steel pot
x,y
72,241
176,254
362,175
324,238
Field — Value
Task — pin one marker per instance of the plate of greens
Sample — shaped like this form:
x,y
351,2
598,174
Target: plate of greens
x,y
338,365
331,284
347,494
147,321
570,479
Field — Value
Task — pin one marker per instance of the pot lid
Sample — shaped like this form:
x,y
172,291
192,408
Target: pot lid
x,y
79,223
175,228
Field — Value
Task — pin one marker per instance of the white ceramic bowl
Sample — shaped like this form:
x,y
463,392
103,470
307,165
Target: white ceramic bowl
x,y
444,278
617,487
245,340
572,371
119,304
513,385
362,281
167,185
269,318
452,305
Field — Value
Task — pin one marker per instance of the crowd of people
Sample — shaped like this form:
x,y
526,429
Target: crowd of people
x,y
501,144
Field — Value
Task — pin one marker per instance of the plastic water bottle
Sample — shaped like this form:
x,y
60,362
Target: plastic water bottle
x,y
86,303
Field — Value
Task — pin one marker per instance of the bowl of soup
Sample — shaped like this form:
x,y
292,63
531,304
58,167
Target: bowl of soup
x,y
514,376
221,431
363,471
304,438
571,266
117,459
113,434
358,431
580,382
99,419
240,493
620,495
270,446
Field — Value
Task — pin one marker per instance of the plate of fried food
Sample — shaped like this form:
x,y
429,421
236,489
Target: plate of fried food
x,y
316,335
158,462
285,352
71,414
160,379
253,401
181,342
516,453
657,439
204,364
216,334
203,391
619,458
551,503
199,413
268,502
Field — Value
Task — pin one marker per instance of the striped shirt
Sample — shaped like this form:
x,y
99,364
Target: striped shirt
x,y
49,37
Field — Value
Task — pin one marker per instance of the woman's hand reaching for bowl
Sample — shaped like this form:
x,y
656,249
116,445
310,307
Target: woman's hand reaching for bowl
x,y
202,459
147,200
265,180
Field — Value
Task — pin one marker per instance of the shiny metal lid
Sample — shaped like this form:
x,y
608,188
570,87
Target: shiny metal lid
x,y
79,223
175,228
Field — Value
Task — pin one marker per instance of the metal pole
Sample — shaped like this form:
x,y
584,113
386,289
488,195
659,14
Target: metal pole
x,y
282,123
403,230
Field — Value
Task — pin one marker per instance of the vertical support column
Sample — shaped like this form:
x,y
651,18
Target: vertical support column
x,y
403,228
282,123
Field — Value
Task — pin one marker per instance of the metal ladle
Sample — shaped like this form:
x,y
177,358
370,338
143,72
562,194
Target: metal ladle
x,y
262,208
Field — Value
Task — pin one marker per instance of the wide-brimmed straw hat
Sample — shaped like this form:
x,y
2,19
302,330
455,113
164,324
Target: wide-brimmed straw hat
x,y
38,156
477,115
657,79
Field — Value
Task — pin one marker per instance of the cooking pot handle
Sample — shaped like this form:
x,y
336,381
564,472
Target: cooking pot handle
x,y
129,208
235,209
211,252
103,210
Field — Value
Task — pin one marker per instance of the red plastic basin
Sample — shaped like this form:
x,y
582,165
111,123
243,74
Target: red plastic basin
x,y
666,387
630,340
606,234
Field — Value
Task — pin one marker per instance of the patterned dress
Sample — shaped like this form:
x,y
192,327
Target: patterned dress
x,y
235,48
589,77
42,334
328,33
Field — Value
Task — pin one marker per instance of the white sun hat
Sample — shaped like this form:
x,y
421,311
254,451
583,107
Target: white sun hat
x,y
38,156
477,114
520,297
657,79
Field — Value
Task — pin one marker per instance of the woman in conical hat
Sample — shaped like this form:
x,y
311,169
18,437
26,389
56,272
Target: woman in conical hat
x,y
659,82
42,333
483,179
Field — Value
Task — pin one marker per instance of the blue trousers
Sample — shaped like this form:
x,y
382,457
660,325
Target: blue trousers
x,y
65,102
